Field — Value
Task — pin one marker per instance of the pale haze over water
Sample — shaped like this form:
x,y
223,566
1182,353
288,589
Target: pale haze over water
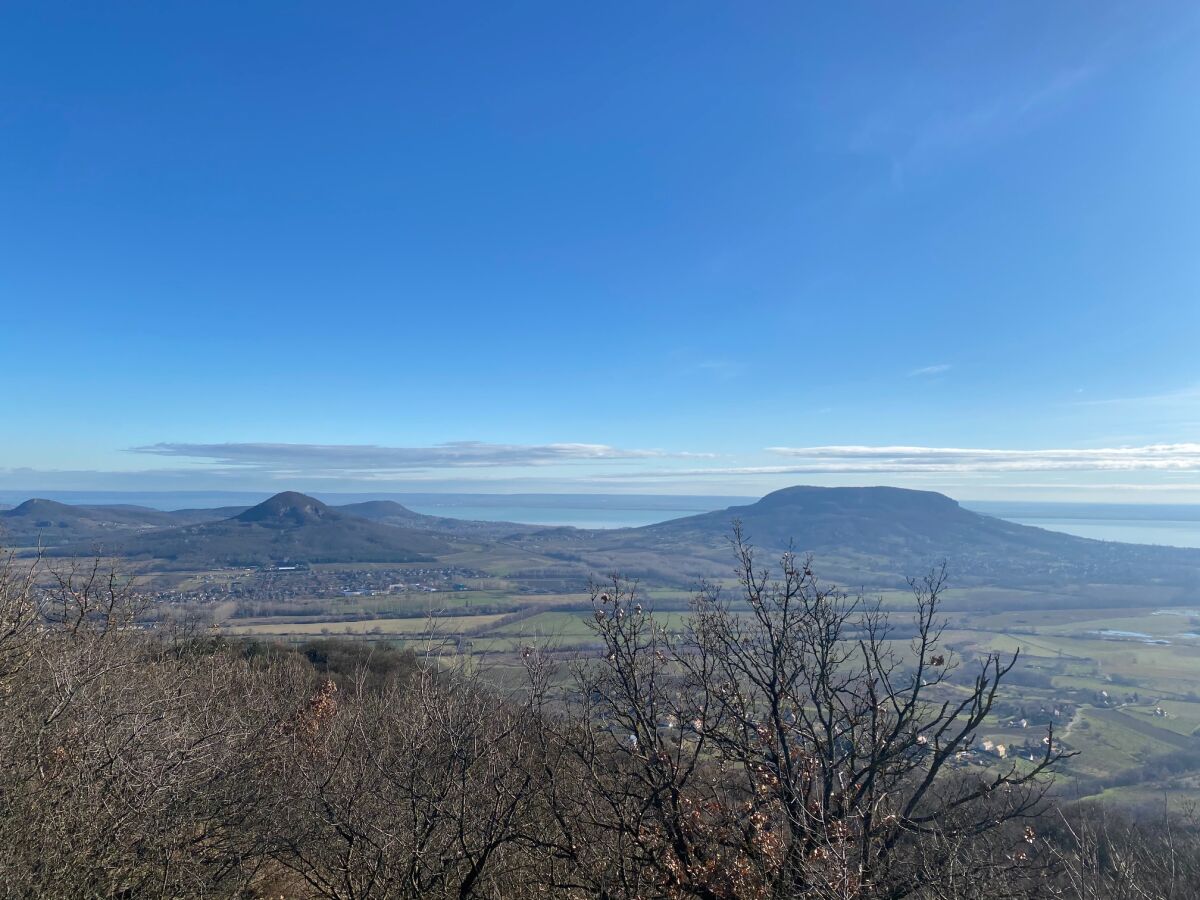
x,y
1133,531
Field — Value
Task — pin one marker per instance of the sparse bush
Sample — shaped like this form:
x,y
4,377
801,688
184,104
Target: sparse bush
x,y
781,746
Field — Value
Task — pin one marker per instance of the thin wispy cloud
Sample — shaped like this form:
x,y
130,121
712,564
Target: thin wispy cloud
x,y
916,131
1091,486
722,369
1189,396
926,371
902,459
910,461
365,459
1061,85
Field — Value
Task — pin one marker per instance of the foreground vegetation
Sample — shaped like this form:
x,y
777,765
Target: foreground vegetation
x,y
775,742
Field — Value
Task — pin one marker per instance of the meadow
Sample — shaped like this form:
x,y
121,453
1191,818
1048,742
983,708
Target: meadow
x,y
1118,680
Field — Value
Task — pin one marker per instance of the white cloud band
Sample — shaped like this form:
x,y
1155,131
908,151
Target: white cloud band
x,y
838,459
371,458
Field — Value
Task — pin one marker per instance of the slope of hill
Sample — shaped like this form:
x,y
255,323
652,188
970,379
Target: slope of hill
x,y
288,527
875,535
877,520
50,523
195,516
393,513
287,509
48,511
388,511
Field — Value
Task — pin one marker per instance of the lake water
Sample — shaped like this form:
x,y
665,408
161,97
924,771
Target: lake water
x,y
574,516
1133,531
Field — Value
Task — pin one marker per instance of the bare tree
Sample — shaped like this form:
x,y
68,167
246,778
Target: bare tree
x,y
1109,854
128,763
784,745
784,740
418,790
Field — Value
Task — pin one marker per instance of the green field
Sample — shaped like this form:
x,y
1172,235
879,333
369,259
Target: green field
x,y
1121,681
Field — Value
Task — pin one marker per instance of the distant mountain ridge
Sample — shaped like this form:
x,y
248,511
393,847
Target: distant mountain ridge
x,y
867,535
51,511
50,523
901,531
288,527
36,506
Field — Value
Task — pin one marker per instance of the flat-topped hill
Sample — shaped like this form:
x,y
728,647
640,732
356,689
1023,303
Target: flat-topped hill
x,y
861,532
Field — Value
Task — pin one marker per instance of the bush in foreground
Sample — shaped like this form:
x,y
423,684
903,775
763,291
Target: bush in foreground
x,y
778,744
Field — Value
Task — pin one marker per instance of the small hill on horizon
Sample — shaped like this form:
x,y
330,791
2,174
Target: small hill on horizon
x,y
285,509
393,513
288,527
49,523
45,513
51,512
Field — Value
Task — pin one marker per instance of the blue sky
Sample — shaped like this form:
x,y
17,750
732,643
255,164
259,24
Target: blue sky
x,y
692,247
